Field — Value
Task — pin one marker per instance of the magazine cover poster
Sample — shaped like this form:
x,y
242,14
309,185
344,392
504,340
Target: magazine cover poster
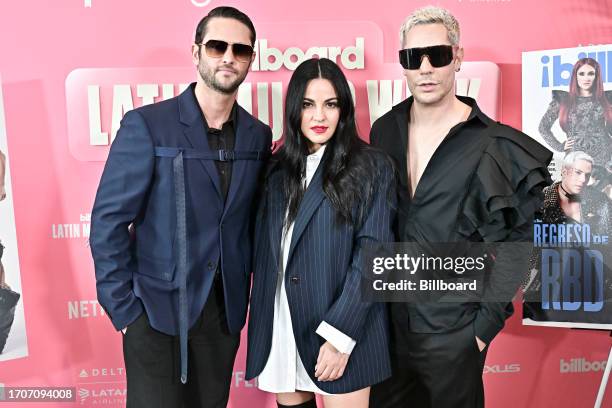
x,y
13,342
567,106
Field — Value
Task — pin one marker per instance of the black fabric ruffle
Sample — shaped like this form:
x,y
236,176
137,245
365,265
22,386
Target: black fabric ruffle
x,y
506,188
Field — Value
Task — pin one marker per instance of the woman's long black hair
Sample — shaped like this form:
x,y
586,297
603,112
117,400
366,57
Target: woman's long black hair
x,y
349,168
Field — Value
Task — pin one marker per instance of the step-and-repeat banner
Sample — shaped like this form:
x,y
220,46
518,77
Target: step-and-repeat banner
x,y
70,71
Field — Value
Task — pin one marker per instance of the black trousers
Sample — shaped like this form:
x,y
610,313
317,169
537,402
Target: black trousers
x,y
152,361
441,370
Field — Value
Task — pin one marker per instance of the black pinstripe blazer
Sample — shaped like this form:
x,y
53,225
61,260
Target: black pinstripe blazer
x,y
322,280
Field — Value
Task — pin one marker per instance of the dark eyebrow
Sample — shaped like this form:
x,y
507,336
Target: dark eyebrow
x,y
327,100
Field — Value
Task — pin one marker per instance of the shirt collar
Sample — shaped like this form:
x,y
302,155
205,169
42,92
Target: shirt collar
x,y
312,163
232,117
319,153
475,114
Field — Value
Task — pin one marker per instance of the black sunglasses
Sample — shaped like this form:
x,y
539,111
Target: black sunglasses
x,y
217,48
438,56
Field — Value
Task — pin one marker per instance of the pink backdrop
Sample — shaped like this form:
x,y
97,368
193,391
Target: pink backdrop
x,y
55,170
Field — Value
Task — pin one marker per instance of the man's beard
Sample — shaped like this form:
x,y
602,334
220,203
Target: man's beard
x,y
208,76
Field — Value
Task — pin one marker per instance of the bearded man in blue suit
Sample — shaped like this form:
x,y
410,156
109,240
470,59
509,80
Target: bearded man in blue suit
x,y
184,174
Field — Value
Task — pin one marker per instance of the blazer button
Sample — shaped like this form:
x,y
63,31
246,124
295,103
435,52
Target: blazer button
x,y
295,280
211,265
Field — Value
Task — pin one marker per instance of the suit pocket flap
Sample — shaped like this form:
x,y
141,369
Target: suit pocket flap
x,y
156,268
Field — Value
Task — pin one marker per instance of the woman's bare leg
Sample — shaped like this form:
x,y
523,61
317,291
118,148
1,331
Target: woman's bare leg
x,y
355,399
289,399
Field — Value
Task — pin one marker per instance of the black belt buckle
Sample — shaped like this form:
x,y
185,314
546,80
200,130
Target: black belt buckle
x,y
226,155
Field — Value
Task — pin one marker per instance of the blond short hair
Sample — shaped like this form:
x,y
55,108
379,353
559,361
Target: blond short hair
x,y
432,15
573,157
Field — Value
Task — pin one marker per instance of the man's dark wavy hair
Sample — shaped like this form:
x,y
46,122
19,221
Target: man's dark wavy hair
x,y
224,12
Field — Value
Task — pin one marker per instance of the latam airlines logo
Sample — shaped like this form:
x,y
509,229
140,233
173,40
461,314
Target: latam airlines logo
x,y
102,396
101,386
83,395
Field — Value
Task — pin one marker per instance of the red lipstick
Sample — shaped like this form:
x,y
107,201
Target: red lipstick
x,y
319,129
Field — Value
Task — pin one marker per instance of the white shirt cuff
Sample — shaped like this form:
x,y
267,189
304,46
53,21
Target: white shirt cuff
x,y
339,340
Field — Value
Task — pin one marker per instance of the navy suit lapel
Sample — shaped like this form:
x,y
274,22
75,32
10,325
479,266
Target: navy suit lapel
x,y
277,210
313,197
195,132
244,141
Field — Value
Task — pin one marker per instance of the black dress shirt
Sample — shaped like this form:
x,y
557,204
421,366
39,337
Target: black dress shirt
x,y
223,139
483,183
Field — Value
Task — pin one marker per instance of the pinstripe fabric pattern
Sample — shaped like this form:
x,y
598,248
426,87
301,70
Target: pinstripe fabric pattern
x,y
322,281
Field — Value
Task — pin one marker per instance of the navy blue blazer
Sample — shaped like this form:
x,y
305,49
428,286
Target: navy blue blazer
x,y
322,276
138,186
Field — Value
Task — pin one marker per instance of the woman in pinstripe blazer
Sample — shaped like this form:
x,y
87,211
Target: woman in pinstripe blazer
x,y
327,195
